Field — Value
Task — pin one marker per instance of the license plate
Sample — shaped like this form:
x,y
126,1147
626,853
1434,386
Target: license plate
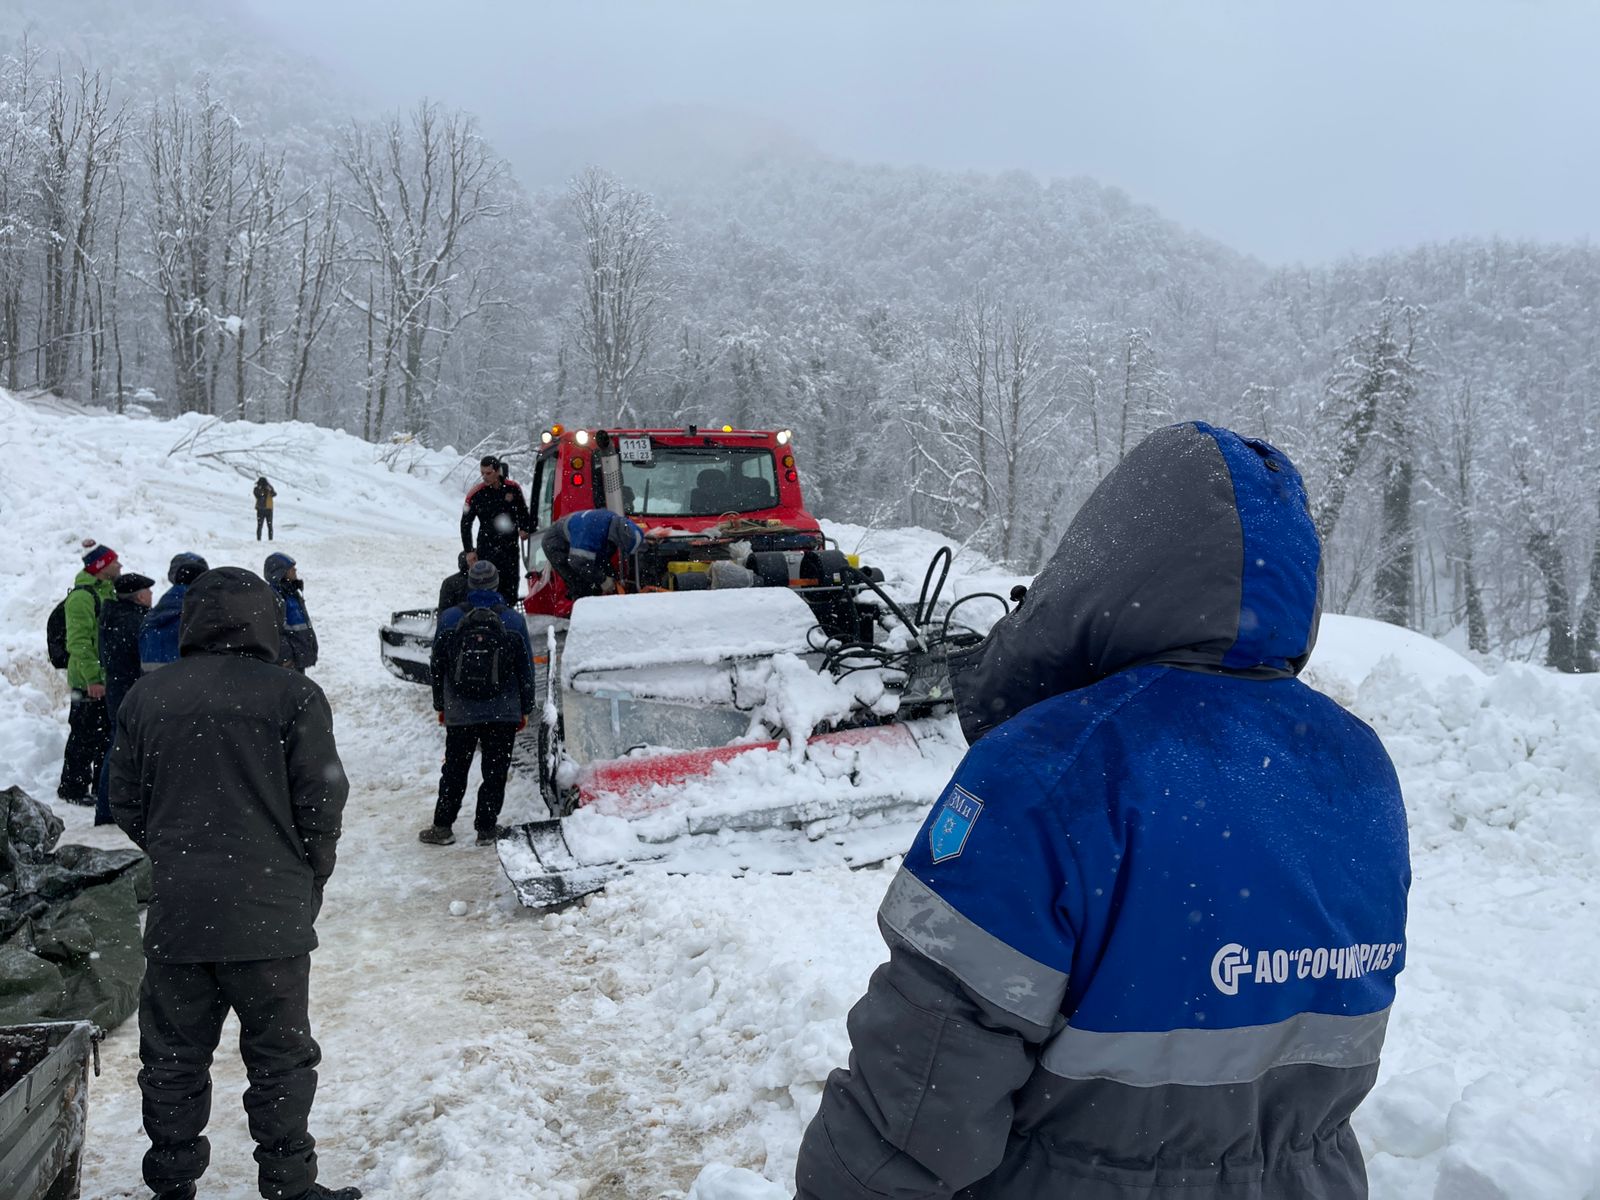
x,y
634,449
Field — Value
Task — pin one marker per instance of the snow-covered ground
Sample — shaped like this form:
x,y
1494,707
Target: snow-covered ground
x,y
616,1049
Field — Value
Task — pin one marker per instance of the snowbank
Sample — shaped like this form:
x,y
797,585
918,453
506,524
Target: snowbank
x,y
1491,1080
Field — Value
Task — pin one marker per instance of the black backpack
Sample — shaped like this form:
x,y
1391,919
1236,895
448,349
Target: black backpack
x,y
55,627
482,660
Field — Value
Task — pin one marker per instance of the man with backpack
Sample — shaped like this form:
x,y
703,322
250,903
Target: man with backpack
x,y
483,691
73,637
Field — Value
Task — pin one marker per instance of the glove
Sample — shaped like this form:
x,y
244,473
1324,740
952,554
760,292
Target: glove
x,y
440,715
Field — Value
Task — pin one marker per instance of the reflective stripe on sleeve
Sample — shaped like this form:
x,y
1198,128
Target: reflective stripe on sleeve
x,y
1005,977
1213,1056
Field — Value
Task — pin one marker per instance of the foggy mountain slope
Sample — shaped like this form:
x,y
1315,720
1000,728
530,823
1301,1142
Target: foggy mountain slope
x,y
147,49
923,237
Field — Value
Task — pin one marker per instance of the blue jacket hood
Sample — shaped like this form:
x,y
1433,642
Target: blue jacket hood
x,y
1197,550
276,567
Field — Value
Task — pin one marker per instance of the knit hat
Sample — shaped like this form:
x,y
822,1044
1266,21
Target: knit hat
x,y
186,567
97,558
128,583
483,576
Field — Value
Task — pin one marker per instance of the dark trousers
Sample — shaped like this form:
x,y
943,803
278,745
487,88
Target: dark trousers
x,y
102,785
181,1010
508,561
88,739
581,576
266,516
459,743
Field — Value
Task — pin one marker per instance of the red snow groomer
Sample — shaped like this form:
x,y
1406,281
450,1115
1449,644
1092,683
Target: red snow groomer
x,y
748,676
708,491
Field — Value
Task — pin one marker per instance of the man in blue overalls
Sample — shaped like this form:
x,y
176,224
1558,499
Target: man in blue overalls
x,y
582,549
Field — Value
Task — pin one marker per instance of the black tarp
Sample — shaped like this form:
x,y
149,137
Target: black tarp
x,y
69,921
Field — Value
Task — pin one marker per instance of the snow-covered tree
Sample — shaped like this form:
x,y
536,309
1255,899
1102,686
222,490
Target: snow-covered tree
x,y
420,183
623,258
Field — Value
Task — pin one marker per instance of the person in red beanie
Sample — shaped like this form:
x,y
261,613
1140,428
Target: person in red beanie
x,y
88,724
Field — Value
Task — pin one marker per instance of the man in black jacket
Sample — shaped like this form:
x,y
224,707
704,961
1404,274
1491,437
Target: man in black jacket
x,y
501,511
225,772
453,591
120,622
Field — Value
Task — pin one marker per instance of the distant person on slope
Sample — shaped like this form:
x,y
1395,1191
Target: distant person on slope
x,y
482,667
299,649
120,621
158,637
453,590
264,492
1146,942
583,546
496,503
88,727
226,774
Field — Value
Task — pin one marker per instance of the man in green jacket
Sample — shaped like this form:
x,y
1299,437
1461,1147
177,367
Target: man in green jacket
x,y
89,727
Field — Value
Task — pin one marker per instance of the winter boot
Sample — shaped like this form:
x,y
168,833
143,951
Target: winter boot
x,y
317,1192
485,837
186,1192
437,835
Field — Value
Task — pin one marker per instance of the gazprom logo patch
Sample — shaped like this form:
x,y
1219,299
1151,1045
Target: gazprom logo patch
x,y
953,823
1233,963
1230,962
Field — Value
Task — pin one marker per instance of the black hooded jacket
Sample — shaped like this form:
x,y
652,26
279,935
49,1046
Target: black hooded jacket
x,y
453,591
120,622
225,772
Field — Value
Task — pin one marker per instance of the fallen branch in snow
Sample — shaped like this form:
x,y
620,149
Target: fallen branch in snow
x,y
403,453
490,445
246,459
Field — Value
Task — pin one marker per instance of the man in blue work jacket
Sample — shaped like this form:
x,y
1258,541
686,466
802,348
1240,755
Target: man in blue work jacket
x,y
1146,942
583,547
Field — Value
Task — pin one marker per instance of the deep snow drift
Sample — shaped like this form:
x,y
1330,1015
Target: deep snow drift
x,y
616,1049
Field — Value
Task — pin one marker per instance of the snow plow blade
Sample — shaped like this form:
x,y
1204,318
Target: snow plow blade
x,y
546,873
406,644
542,868
852,799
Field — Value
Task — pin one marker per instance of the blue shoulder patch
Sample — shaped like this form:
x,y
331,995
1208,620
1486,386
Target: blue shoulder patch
x,y
952,825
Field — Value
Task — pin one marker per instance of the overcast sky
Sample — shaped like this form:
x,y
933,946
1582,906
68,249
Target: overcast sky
x,y
1290,129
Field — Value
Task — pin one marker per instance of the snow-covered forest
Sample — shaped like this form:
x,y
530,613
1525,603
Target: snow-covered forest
x,y
195,222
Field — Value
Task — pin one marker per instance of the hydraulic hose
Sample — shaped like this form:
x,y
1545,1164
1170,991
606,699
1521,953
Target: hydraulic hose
x,y
944,557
